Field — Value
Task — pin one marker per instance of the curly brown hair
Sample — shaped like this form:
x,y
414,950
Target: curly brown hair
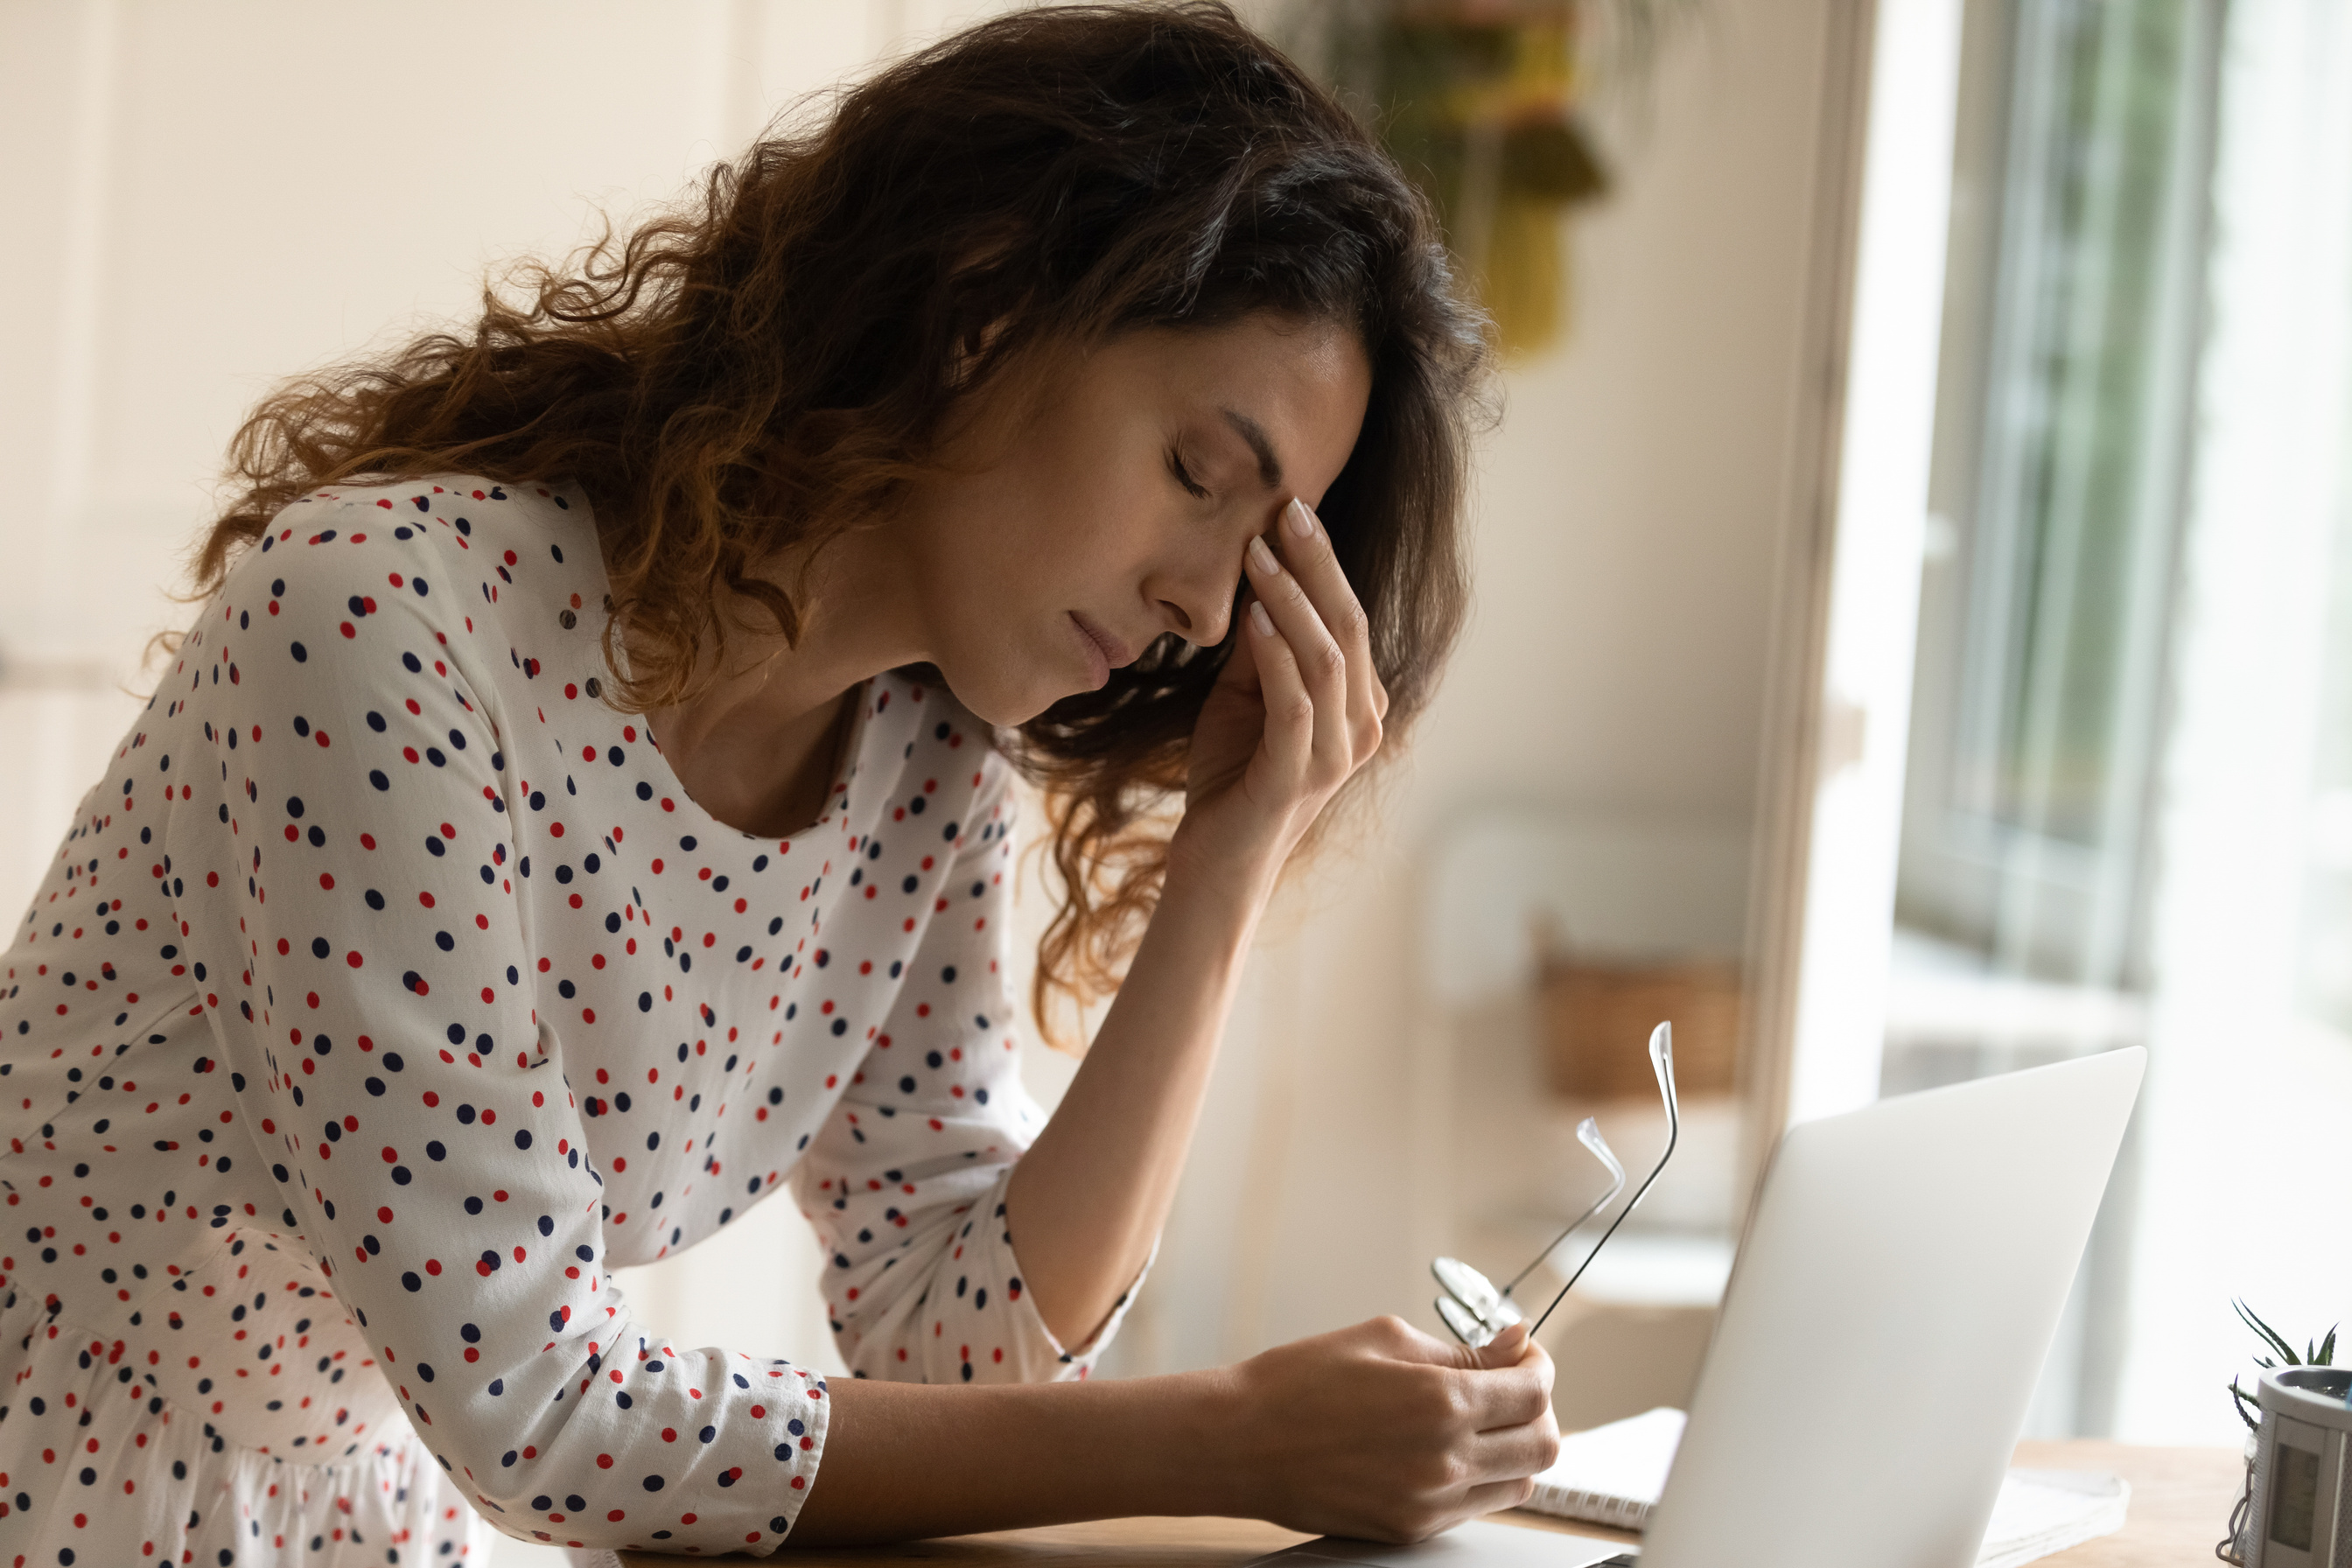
x,y
769,363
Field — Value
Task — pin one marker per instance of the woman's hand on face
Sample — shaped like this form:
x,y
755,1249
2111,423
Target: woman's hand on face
x,y
1381,1432
1298,708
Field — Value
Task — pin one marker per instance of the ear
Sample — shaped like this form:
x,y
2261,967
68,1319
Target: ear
x,y
996,389
981,289
970,352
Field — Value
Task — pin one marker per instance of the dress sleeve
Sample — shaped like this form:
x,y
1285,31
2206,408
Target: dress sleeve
x,y
369,976
905,1181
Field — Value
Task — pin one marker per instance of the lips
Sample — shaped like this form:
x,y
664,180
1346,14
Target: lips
x,y
1115,652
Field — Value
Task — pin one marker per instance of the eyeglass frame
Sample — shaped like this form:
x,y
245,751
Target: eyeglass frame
x,y
1485,1323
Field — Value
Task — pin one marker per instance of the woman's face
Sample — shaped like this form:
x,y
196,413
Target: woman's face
x,y
1120,508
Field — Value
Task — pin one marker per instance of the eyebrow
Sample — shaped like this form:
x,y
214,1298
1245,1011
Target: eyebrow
x,y
1269,466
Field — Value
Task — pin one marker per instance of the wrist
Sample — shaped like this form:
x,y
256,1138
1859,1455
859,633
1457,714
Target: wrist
x,y
1206,864
1013,1455
1210,1415
1119,1460
1210,906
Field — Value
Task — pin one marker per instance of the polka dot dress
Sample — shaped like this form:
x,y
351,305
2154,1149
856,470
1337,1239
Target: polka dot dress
x,y
389,992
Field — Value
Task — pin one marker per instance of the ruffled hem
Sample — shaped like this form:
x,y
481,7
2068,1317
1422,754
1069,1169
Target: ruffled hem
x,y
94,1468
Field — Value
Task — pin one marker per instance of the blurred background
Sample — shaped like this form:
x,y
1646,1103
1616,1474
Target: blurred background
x,y
1914,624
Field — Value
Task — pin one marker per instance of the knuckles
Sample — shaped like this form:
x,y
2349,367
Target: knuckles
x,y
1445,1474
1456,1408
1547,1441
1438,1402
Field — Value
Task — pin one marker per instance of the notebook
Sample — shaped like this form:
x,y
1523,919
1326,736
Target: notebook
x,y
1612,1475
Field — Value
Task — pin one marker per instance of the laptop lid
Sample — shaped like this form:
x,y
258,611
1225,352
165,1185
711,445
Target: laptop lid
x,y
1886,1323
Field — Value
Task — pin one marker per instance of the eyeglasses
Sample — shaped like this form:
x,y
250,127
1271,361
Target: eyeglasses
x,y
1471,1305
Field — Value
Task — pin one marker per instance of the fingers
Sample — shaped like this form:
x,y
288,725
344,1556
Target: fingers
x,y
1510,1349
1499,1401
1241,666
1508,1381
1310,601
1289,707
1306,551
1321,662
1381,1429
1527,1449
1499,1467
1401,1340
1531,1357
1505,1383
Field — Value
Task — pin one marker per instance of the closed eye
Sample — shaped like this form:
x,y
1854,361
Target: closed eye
x,y
1184,475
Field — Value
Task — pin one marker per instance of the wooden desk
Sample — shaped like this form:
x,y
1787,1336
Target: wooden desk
x,y
2179,1507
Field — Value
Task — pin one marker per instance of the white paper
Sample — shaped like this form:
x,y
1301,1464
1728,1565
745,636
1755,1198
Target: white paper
x,y
2042,1511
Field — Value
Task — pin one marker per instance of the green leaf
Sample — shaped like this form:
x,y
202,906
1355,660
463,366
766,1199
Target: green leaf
x,y
2255,1421
2270,1335
2325,1354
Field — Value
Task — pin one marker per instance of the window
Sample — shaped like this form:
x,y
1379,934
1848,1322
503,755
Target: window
x,y
2072,320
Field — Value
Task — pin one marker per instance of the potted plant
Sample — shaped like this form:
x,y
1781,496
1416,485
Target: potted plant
x,y
2276,1353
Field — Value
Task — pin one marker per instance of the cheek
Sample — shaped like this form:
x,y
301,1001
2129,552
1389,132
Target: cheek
x,y
1019,527
983,550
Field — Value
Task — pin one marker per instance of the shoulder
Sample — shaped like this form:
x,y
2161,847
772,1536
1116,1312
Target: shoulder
x,y
471,559
478,531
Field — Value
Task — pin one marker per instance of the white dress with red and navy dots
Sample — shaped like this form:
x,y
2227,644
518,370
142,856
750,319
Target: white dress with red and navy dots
x,y
389,992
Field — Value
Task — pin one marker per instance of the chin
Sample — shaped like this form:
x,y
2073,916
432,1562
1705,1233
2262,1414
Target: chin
x,y
1004,704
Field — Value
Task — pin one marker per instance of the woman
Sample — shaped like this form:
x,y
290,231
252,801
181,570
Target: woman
x,y
581,805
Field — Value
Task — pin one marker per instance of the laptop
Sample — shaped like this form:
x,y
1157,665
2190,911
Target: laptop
x,y
1886,1319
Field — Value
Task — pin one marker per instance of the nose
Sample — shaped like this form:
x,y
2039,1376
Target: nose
x,y
1190,590
1198,614
1195,586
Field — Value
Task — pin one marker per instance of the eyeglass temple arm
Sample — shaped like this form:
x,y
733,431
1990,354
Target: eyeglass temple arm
x,y
1589,1135
1662,1059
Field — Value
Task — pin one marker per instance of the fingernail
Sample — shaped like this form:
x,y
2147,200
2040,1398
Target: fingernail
x,y
1262,558
1302,521
1260,619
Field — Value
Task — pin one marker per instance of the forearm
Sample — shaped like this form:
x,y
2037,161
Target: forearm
x,y
1377,1430
1088,1199
907,1460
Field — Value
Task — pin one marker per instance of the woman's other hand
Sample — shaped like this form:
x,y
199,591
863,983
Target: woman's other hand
x,y
1381,1432
1296,711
